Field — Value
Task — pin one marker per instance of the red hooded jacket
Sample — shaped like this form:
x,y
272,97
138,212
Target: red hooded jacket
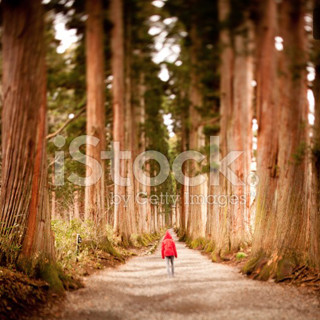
x,y
168,247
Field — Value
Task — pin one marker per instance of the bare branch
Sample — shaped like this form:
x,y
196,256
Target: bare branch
x,y
52,135
210,121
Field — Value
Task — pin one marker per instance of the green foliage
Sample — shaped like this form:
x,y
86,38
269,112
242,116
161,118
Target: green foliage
x,y
51,274
209,247
198,243
241,255
239,10
201,243
214,256
255,153
145,239
211,130
65,241
203,15
106,245
9,248
263,267
66,94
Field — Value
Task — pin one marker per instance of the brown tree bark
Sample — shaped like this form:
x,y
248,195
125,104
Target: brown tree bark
x,y
281,235
196,221
76,205
121,213
226,71
131,144
142,139
240,132
229,230
183,206
315,186
95,194
25,214
53,199
268,123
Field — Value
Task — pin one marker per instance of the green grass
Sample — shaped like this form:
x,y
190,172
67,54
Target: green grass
x,y
65,242
145,239
241,255
198,243
209,247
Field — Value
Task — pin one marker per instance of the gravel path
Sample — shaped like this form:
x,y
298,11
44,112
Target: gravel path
x,y
201,289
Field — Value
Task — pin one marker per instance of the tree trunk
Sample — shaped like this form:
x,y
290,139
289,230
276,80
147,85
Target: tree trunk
x,y
226,71
292,210
121,217
240,133
268,122
141,140
315,187
130,130
184,187
281,234
235,132
53,198
25,214
76,205
196,222
95,193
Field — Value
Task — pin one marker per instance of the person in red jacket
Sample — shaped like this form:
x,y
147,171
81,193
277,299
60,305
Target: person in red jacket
x,y
169,251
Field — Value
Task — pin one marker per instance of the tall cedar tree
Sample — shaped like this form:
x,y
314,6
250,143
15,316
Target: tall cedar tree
x,y
231,225
95,193
282,228
24,216
315,187
121,213
197,209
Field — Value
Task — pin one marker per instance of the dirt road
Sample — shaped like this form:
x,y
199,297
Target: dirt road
x,y
201,289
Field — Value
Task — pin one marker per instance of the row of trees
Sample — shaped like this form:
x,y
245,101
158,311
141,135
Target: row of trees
x,y
227,74
109,72
257,81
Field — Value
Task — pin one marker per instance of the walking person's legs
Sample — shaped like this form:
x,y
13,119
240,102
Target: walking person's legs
x,y
168,265
172,265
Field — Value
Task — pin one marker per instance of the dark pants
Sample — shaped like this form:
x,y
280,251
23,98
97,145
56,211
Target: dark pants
x,y
170,266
